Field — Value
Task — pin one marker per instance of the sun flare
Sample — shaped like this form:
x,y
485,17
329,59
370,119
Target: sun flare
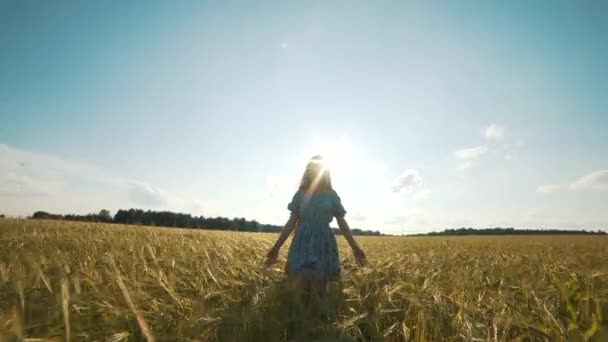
x,y
337,154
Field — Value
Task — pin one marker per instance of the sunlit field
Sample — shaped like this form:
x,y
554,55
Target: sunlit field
x,y
82,281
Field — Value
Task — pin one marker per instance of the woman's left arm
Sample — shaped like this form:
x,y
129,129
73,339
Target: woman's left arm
x,y
360,256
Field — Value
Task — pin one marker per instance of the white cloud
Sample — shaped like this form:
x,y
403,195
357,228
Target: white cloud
x,y
147,195
466,156
510,149
23,186
552,187
410,181
471,153
494,132
422,195
25,174
31,181
596,180
465,165
407,181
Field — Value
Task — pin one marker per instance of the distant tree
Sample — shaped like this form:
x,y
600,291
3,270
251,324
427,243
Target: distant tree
x,y
239,224
511,231
121,216
46,216
181,220
1,215
254,226
104,215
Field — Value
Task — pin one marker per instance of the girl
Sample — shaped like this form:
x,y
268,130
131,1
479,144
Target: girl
x,y
313,255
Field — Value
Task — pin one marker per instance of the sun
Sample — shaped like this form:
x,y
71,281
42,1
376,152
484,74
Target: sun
x,y
337,154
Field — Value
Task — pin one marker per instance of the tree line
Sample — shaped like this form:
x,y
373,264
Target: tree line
x,y
177,220
509,231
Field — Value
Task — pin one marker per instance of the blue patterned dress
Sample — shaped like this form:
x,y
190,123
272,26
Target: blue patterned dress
x,y
314,244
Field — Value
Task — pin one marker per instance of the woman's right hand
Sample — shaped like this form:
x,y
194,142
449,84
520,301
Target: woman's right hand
x,y
271,257
360,256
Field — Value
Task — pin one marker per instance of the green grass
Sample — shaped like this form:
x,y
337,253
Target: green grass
x,y
102,282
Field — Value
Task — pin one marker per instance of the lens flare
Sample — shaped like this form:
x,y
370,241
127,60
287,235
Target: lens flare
x,y
315,182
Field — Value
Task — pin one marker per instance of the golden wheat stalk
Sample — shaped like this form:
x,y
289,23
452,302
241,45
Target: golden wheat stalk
x,y
143,326
65,305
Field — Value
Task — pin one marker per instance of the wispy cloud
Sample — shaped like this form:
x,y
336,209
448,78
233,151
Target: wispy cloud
x,y
422,195
596,180
470,153
147,195
28,174
467,156
494,132
510,148
32,181
23,186
409,180
552,187
496,140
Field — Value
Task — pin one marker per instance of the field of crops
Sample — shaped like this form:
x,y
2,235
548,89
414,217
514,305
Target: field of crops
x,y
77,281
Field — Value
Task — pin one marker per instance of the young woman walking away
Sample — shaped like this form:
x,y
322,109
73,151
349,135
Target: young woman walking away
x,y
313,254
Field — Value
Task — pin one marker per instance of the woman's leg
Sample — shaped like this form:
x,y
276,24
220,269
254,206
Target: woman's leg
x,y
320,285
310,277
302,280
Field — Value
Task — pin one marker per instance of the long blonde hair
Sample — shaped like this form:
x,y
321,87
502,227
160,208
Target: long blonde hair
x,y
316,176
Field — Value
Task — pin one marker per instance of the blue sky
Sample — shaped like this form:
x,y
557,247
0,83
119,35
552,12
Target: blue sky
x,y
433,114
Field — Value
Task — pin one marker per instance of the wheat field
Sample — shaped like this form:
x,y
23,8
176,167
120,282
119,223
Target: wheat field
x,y
98,282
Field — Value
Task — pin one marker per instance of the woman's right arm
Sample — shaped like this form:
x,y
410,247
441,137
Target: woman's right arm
x,y
286,231
291,224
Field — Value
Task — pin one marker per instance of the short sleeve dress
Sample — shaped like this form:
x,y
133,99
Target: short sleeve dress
x,y
314,244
